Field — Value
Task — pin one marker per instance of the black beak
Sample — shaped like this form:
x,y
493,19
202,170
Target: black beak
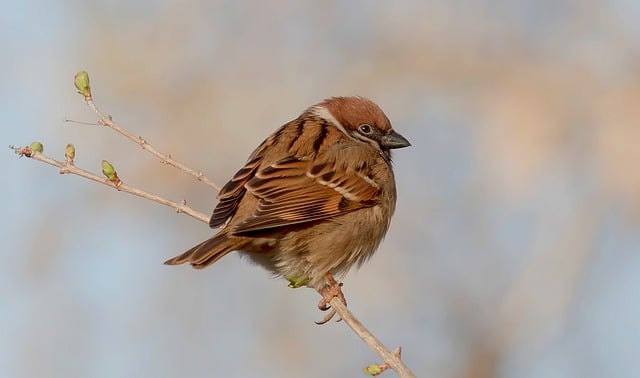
x,y
394,140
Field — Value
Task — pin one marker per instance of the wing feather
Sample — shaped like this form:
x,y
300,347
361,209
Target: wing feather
x,y
297,190
231,194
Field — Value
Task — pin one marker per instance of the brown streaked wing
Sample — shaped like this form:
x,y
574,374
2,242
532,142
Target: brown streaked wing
x,y
294,191
231,194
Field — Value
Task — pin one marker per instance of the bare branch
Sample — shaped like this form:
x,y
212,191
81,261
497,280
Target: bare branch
x,y
107,120
391,359
69,167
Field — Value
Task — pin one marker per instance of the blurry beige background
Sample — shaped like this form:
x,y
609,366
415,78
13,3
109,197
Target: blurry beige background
x,y
514,251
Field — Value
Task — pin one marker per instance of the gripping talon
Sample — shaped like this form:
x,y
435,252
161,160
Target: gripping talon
x,y
329,291
327,317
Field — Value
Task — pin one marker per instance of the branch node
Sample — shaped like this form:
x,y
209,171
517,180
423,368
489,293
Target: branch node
x,y
377,369
166,160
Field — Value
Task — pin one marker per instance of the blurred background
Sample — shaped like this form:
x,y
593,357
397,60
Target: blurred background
x,y
515,248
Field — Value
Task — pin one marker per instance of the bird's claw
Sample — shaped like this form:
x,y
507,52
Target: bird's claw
x,y
327,317
330,290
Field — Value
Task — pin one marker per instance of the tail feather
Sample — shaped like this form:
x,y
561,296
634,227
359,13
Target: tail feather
x,y
207,252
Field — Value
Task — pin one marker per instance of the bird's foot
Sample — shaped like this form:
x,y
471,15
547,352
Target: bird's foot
x,y
330,290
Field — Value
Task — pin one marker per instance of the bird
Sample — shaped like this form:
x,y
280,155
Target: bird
x,y
313,200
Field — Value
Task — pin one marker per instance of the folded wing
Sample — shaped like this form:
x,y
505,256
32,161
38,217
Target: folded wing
x,y
298,190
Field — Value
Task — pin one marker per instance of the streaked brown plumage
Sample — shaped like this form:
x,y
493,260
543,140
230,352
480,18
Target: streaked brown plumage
x,y
315,197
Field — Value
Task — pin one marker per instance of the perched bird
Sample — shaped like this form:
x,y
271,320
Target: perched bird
x,y
313,200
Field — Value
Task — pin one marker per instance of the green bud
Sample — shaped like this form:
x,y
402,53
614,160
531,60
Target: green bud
x,y
36,147
110,172
70,152
82,83
373,370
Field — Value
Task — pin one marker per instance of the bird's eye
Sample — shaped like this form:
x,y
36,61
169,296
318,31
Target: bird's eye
x,y
365,129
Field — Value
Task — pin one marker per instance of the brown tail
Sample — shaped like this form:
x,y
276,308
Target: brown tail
x,y
207,252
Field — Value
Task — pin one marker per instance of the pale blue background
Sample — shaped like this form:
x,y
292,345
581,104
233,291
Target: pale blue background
x,y
515,249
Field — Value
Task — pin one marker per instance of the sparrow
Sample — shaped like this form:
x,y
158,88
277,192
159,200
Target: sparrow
x,y
313,200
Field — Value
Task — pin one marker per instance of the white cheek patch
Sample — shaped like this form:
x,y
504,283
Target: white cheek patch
x,y
325,114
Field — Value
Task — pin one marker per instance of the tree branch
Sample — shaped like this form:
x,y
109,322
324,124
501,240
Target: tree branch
x,y
392,360
69,167
107,120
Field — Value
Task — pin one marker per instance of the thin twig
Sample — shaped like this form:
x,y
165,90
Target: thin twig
x,y
391,359
67,167
107,120
82,122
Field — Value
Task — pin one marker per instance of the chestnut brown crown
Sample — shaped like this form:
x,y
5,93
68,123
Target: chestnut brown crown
x,y
361,119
